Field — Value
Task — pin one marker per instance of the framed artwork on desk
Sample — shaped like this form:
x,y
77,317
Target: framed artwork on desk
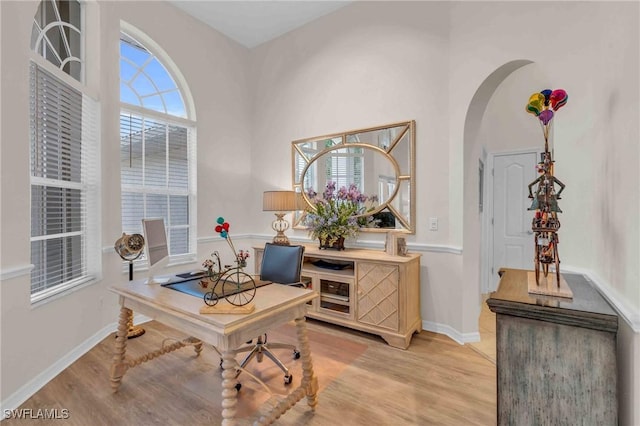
x,y
401,246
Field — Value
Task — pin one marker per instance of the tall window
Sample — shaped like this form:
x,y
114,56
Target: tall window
x,y
65,242
157,166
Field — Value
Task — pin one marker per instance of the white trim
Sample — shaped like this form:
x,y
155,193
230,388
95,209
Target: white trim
x,y
167,62
35,384
630,315
16,271
235,237
447,330
369,244
485,221
435,248
486,245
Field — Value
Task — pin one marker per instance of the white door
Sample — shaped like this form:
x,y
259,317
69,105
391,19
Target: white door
x,y
512,236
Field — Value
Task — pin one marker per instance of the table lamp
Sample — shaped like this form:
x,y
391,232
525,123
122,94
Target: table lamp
x,y
280,202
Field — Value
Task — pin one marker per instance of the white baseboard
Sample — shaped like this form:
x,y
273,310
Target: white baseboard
x,y
34,385
451,332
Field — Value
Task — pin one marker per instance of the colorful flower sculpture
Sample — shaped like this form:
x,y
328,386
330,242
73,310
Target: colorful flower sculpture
x,y
223,229
543,105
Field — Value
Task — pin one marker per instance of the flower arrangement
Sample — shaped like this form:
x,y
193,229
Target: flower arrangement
x,y
333,215
242,257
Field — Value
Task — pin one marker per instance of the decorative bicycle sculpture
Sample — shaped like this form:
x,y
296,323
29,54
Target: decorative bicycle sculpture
x,y
230,282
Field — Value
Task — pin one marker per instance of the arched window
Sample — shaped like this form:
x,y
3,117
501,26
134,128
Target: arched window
x,y
56,35
64,145
157,166
145,82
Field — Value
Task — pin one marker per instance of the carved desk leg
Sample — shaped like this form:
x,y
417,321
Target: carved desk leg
x,y
197,344
309,380
119,366
229,391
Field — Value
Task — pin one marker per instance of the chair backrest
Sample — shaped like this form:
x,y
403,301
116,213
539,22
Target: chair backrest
x,y
281,264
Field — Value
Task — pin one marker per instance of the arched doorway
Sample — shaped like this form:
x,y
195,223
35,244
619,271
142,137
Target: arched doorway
x,y
496,126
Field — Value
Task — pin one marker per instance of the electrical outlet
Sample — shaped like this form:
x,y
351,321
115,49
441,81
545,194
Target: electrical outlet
x,y
433,224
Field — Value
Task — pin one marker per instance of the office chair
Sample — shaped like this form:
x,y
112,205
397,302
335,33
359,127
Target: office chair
x,y
281,265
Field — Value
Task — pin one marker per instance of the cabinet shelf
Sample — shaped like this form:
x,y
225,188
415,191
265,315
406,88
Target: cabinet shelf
x,y
334,298
374,292
310,267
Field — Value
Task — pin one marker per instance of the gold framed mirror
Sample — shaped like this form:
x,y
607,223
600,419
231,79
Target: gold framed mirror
x,y
379,160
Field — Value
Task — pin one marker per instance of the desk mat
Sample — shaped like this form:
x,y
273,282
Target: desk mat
x,y
193,287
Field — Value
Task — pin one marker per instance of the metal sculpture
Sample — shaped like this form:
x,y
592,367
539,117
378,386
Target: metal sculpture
x,y
546,224
236,286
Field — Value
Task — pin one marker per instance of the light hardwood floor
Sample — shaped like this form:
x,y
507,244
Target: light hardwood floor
x,y
487,327
435,382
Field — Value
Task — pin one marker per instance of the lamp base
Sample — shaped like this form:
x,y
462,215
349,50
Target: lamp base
x,y
280,225
281,239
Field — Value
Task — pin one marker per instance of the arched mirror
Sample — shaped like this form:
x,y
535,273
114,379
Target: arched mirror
x,y
379,161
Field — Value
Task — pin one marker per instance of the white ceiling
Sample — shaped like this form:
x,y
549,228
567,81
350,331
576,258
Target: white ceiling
x,y
252,23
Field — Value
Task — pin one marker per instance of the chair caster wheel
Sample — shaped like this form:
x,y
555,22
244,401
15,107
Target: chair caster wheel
x,y
238,386
288,379
296,354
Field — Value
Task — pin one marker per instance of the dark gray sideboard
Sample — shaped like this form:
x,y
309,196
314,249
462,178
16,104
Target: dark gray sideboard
x,y
556,358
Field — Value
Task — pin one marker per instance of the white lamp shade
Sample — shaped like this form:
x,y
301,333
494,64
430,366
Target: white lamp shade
x,y
279,201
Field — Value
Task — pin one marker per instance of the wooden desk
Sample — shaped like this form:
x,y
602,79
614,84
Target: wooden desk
x,y
556,358
275,305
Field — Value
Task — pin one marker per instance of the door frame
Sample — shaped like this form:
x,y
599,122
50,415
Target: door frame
x,y
486,222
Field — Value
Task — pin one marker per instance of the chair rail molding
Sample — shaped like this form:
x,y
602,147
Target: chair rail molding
x,y
15,271
630,315
371,244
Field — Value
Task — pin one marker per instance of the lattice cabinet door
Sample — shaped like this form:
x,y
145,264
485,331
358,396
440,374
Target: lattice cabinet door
x,y
377,295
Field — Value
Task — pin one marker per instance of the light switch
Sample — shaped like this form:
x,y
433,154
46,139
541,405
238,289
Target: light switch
x,y
433,224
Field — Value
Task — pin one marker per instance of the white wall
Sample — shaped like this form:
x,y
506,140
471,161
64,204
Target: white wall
x,y
366,65
35,338
591,50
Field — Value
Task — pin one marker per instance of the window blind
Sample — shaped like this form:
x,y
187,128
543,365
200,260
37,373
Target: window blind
x,y
65,247
344,167
155,177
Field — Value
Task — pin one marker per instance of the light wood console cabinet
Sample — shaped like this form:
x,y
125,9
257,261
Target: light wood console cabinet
x,y
366,290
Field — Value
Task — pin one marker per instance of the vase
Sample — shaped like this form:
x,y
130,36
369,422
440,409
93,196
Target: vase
x,y
337,245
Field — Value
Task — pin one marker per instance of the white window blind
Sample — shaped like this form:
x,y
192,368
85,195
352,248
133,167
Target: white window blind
x,y
344,167
155,177
65,246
